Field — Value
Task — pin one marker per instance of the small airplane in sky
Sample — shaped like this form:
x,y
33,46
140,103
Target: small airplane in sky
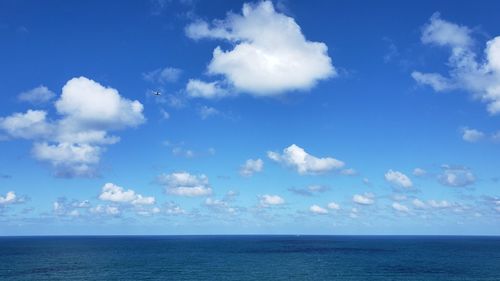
x,y
156,93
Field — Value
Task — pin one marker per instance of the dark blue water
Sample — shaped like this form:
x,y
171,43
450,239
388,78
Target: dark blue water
x,y
250,258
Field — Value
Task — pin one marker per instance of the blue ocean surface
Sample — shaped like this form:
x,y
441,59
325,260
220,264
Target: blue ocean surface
x,y
250,258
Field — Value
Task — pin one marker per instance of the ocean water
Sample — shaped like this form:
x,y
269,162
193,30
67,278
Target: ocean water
x,y
250,258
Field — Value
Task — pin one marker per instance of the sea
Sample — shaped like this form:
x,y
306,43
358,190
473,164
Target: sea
x,y
259,257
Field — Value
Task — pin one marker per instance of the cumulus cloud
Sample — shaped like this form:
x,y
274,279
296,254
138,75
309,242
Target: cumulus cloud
x,y
419,172
106,210
9,198
364,199
207,111
400,207
40,94
309,190
114,193
73,142
251,167
456,176
185,184
398,179
480,77
271,200
296,157
318,210
419,203
472,135
199,89
333,206
29,125
172,208
264,62
219,206
163,75
439,204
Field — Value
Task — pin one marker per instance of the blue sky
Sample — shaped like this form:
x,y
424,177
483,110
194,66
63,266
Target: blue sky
x,y
337,117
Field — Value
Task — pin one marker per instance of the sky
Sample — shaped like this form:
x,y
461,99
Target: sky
x,y
235,117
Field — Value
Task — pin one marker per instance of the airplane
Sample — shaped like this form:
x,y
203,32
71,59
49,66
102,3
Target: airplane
x,y
156,93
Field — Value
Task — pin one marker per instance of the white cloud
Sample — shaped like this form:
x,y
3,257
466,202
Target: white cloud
x,y
398,179
435,80
163,75
85,102
200,89
40,94
73,143
207,111
221,206
172,208
363,199
456,176
400,207
185,184
481,77
68,159
251,166
472,135
333,206
29,125
419,172
105,210
296,157
348,172
9,198
444,33
115,193
439,204
267,200
264,62
419,203
318,210
310,190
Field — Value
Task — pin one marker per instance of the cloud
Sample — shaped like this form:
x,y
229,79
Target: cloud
x,y
73,143
456,176
318,210
400,207
333,206
163,75
251,167
199,89
117,194
480,77
398,179
472,135
419,203
10,198
363,199
264,62
172,208
309,190
185,184
439,204
296,157
271,200
207,111
29,125
106,210
86,103
419,172
219,206
40,94
68,159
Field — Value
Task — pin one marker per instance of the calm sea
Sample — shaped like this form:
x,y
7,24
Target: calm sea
x,y
357,258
